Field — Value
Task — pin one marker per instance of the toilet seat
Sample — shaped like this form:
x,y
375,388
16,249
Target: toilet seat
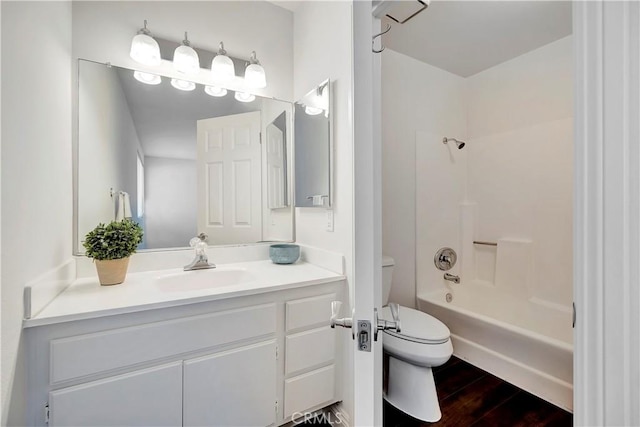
x,y
418,327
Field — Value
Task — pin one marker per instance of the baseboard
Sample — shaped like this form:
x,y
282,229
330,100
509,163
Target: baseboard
x,y
340,417
551,389
42,290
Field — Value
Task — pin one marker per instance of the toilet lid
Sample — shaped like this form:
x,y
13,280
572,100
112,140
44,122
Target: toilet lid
x,y
417,326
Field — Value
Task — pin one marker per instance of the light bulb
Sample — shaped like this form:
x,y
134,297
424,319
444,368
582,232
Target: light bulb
x,y
222,68
147,78
215,91
183,84
244,97
313,111
254,75
185,58
144,49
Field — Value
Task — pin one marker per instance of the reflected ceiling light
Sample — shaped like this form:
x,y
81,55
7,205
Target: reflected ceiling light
x,y
185,58
147,78
313,111
215,91
222,68
254,75
244,97
183,84
144,49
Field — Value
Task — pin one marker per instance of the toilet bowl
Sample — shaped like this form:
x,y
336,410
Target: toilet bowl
x,y
423,343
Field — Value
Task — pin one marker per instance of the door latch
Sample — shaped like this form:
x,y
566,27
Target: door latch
x,y
364,335
362,328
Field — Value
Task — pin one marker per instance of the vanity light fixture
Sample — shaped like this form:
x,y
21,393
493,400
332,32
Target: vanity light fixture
x,y
215,91
244,97
313,111
144,49
147,78
222,68
185,58
183,84
254,75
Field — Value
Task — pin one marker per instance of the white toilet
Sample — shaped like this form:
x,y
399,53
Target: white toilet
x,y
422,343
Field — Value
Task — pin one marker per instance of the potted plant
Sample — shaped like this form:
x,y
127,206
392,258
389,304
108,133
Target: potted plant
x,y
110,246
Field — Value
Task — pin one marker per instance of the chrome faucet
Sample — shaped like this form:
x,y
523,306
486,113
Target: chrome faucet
x,y
452,278
200,262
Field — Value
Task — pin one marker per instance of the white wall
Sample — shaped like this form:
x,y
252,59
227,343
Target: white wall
x,y
36,168
322,49
420,105
170,202
102,32
520,151
109,152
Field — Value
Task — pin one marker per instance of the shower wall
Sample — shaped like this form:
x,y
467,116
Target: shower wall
x,y
520,170
417,100
512,181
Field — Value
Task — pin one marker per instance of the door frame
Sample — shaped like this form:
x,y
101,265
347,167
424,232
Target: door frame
x,y
606,212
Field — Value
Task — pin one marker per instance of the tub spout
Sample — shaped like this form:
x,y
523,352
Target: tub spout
x,y
452,278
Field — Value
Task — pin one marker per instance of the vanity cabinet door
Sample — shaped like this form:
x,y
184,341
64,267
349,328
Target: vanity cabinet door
x,y
148,397
232,388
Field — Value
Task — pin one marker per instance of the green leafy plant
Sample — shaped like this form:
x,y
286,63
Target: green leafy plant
x,y
116,240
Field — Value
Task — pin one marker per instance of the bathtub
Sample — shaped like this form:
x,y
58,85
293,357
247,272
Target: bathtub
x,y
524,342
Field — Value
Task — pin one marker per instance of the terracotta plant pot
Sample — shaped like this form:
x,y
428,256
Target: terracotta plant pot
x,y
112,271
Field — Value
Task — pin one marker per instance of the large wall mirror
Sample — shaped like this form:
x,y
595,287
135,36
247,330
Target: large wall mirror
x,y
313,148
189,161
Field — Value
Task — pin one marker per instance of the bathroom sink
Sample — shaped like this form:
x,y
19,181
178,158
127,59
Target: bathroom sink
x,y
203,279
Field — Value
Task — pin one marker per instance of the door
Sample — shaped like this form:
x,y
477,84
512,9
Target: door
x,y
229,171
149,397
232,388
276,168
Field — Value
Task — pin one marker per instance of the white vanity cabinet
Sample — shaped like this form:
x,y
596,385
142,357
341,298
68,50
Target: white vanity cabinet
x,y
141,398
244,361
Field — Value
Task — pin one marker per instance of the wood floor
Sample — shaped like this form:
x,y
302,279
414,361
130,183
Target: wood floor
x,y
472,397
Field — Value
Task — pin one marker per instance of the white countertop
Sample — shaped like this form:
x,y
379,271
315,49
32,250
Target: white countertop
x,y
86,299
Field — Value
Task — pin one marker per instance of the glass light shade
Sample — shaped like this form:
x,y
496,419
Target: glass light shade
x,y
215,91
222,68
313,111
145,50
255,77
186,60
147,78
183,84
244,97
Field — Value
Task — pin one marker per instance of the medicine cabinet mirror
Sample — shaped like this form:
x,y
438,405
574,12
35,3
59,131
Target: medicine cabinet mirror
x,y
313,148
189,161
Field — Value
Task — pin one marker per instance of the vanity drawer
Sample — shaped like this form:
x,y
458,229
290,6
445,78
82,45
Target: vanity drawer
x,y
309,390
309,312
310,349
89,354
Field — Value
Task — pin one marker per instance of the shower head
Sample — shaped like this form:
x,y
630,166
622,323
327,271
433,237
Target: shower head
x,y
459,144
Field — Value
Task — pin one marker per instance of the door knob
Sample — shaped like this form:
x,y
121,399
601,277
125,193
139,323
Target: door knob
x,y
385,325
345,322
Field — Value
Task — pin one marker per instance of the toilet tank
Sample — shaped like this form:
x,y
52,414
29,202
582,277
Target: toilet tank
x,y
387,273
